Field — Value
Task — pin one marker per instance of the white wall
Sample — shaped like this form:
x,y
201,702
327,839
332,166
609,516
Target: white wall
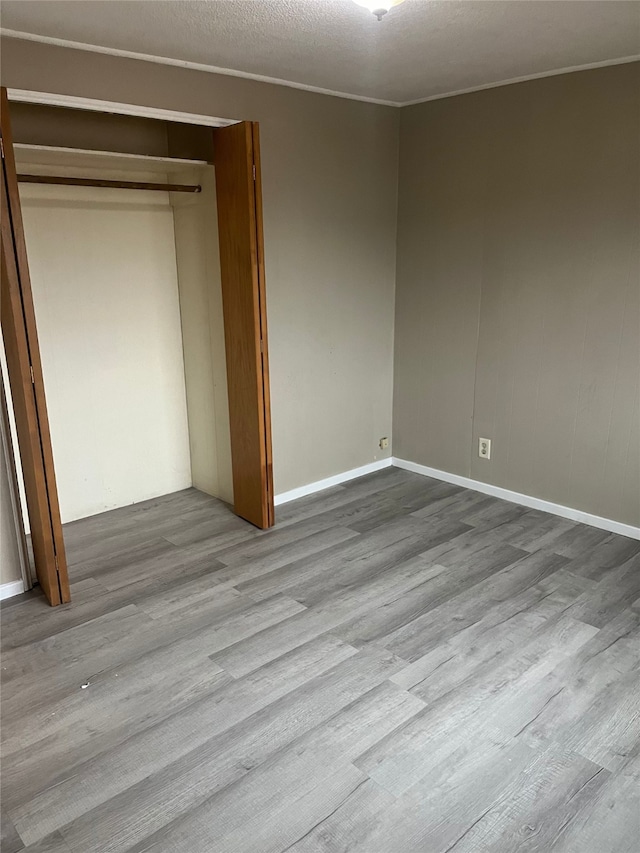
x,y
103,270
9,555
10,570
198,258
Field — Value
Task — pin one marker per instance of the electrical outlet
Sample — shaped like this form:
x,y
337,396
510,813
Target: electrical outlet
x,y
484,448
384,443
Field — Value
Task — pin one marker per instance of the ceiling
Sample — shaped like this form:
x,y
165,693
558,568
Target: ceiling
x,y
420,50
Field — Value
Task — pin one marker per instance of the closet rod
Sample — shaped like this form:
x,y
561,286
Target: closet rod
x,y
96,182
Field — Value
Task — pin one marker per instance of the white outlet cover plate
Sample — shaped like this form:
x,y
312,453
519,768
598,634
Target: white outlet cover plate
x,y
484,448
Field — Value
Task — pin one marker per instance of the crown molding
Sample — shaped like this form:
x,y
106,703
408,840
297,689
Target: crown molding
x,y
276,81
623,60
192,66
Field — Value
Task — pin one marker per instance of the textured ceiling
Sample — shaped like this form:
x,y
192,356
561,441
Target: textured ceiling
x,y
419,50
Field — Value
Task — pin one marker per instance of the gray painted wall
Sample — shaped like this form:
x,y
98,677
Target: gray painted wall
x,y
329,170
517,310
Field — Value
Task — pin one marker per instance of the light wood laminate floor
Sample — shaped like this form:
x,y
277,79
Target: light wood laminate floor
x,y
400,665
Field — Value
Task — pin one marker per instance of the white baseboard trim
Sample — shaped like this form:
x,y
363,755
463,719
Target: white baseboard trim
x,y
319,485
8,590
525,500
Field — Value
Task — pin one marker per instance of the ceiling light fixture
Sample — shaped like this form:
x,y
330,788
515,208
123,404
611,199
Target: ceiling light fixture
x,y
378,7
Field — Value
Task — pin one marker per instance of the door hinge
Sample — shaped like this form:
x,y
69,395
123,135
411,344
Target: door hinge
x,y
254,171
33,380
261,346
2,148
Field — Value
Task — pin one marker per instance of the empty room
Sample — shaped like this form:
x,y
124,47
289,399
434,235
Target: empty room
x,y
320,470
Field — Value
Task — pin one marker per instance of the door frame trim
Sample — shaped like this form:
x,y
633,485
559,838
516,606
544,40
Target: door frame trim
x,y
91,104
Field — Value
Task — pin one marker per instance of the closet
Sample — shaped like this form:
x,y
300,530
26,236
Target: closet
x,y
133,319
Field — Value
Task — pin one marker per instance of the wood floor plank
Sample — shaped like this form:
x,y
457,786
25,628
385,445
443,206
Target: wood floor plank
x,y
249,655
537,530
379,624
399,665
137,756
139,691
122,557
263,545
302,549
129,634
10,841
314,580
101,540
289,818
208,529
610,823
280,801
396,501
451,663
492,798
605,557
595,709
494,579
351,825
580,541
434,813
341,706
29,617
555,787
602,602
474,707
494,515
152,658
454,503
363,568
53,843
95,600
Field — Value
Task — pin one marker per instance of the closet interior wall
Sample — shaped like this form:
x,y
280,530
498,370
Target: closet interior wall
x,y
198,265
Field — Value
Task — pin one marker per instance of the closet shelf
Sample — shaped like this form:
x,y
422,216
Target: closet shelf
x,y
28,156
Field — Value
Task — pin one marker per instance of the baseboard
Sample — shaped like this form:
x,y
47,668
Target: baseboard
x,y
319,485
8,590
525,500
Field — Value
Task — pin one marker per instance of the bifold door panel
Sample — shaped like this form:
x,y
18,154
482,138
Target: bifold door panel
x,y
239,197
27,385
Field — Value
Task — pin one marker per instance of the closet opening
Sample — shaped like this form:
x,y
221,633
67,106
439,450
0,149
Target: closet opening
x,y
147,389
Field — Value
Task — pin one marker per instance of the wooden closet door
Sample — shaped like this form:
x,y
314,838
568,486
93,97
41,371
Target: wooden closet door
x,y
239,198
27,385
